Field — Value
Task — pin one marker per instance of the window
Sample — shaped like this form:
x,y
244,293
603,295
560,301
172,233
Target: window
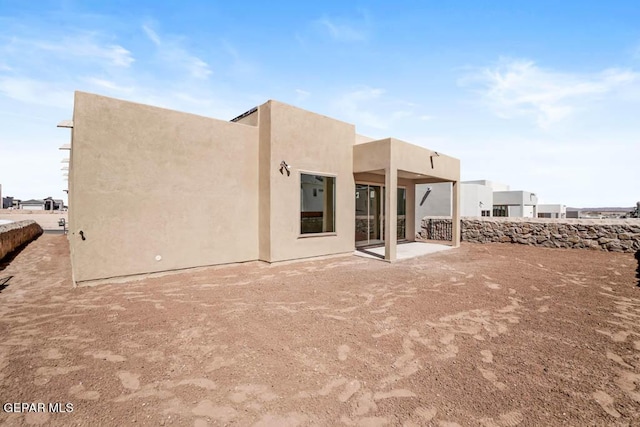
x,y
317,204
486,213
500,210
402,214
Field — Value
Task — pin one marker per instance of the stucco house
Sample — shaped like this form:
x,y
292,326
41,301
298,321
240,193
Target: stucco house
x,y
552,211
155,190
477,198
32,205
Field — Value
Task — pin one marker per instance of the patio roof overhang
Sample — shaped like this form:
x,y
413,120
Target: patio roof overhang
x,y
411,161
395,159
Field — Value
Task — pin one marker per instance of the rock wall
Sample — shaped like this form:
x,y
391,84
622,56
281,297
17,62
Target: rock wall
x,y
435,228
16,234
608,235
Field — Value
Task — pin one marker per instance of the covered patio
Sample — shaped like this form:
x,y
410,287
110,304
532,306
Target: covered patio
x,y
392,163
405,250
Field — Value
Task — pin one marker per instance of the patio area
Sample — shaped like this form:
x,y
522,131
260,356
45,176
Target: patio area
x,y
490,335
404,250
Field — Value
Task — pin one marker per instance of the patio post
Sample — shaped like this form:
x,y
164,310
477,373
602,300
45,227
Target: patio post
x,y
455,214
390,213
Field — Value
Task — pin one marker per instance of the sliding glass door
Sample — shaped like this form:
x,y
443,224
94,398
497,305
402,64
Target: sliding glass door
x,y
370,214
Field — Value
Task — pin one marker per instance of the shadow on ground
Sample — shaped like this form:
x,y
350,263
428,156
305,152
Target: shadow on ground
x,y
365,251
4,262
4,282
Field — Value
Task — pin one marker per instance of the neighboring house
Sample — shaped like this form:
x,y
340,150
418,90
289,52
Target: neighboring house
x,y
7,202
495,186
51,204
573,213
477,198
552,211
521,204
434,200
276,183
32,205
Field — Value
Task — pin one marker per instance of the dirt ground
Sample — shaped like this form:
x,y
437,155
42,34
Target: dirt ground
x,y
484,335
48,220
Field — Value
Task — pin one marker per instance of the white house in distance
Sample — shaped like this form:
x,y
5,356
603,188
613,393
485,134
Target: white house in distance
x,y
32,205
552,211
477,198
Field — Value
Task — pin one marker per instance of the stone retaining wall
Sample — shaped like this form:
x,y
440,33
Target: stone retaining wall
x,y
609,235
16,234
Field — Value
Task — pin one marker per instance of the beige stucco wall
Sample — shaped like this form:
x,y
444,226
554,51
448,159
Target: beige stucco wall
x,y
371,156
390,152
249,119
149,182
309,143
396,160
156,190
412,158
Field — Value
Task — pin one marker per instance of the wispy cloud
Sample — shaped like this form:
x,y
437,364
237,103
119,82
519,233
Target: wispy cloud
x,y
108,84
171,51
346,30
36,92
239,64
302,94
521,88
151,34
85,46
372,107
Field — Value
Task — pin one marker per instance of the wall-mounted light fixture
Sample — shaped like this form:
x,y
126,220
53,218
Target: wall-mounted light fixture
x,y
435,154
284,166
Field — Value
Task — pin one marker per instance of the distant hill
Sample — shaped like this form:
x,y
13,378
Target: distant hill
x,y
602,209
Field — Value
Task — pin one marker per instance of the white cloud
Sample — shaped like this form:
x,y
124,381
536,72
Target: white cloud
x,y
345,30
198,68
302,94
351,105
82,45
171,51
373,108
36,92
152,35
521,88
108,84
342,32
239,65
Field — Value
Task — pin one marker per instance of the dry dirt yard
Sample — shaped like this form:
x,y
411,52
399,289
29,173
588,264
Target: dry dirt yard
x,y
485,335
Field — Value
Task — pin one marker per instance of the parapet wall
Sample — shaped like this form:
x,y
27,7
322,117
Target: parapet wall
x,y
608,235
16,234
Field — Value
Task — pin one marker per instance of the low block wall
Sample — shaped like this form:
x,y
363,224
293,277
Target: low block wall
x,y
16,234
608,235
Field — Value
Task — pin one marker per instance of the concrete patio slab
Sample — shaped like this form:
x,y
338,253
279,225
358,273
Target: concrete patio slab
x,y
404,250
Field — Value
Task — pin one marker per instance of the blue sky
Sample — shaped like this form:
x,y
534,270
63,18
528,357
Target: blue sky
x,y
541,95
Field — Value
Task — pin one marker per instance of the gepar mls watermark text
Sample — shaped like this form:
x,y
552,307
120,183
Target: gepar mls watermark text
x,y
25,407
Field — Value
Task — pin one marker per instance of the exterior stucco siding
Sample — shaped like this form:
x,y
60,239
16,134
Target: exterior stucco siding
x,y
157,190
